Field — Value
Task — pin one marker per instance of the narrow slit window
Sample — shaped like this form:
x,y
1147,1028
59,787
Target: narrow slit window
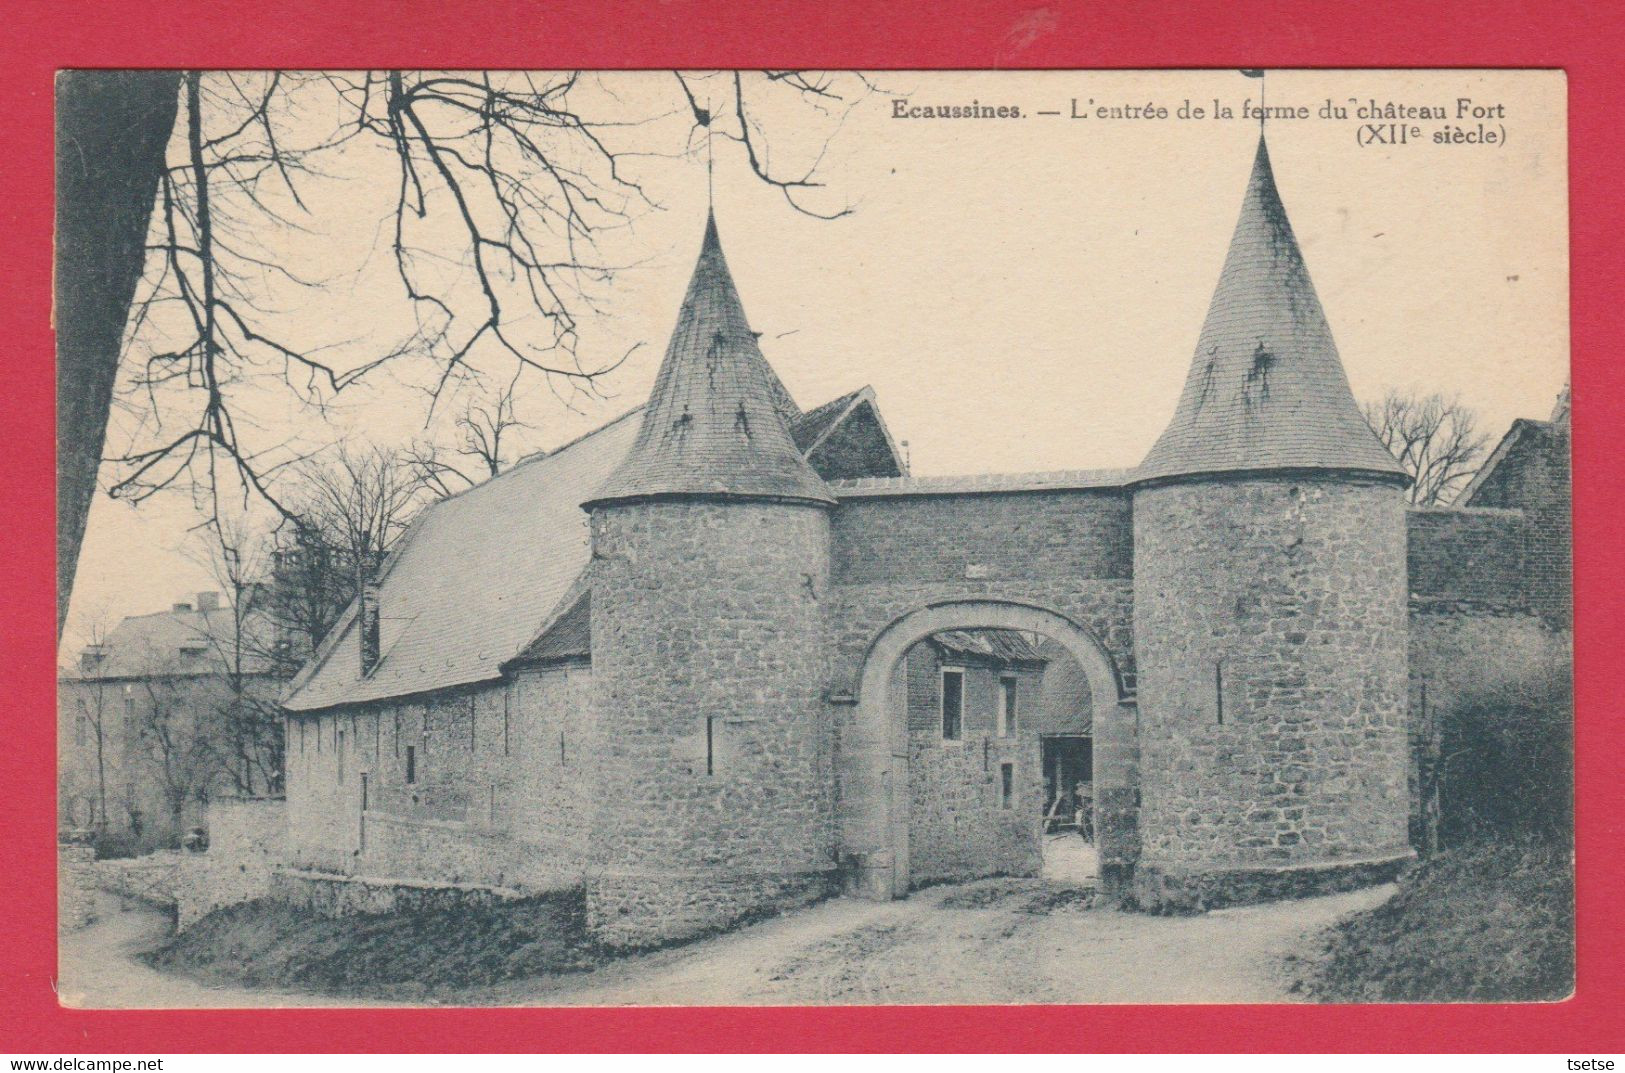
x,y
710,745
411,764
338,746
1007,706
1218,690
953,704
1007,785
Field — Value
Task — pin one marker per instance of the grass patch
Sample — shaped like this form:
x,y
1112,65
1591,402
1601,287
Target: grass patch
x,y
399,955
1486,922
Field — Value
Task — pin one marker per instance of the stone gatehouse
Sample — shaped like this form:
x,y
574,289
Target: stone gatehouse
x,y
666,661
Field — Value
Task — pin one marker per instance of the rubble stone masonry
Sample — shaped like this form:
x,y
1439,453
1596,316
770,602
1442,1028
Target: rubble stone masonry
x,y
1270,620
714,790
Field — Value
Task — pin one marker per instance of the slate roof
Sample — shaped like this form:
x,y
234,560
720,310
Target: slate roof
x,y
1000,646
1266,388
811,428
180,643
718,420
568,638
480,579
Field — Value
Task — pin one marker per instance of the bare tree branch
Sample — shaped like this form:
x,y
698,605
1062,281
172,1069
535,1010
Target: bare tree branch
x,y
1434,438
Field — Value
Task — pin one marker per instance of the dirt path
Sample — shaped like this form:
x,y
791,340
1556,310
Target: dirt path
x,y
995,941
98,968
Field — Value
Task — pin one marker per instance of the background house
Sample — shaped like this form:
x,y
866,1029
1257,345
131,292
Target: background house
x,y
163,713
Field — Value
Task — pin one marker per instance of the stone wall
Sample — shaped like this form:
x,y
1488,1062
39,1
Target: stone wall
x,y
946,538
75,886
1270,618
482,785
248,840
959,824
714,782
1471,559
1534,476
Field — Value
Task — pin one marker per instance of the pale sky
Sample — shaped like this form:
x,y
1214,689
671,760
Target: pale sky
x,y
1023,294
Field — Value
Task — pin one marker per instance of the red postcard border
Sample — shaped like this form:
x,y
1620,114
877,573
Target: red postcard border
x,y
1586,40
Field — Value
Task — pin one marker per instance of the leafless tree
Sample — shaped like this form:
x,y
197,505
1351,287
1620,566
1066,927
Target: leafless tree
x,y
1435,438
172,740
252,658
92,701
499,176
483,449
348,511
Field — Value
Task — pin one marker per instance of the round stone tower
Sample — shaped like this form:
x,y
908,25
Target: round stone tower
x,y
710,560
1269,604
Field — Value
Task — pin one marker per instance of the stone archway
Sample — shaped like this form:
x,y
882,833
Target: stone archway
x,y
875,806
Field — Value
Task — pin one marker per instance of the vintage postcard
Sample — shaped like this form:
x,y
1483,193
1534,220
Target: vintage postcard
x,y
786,537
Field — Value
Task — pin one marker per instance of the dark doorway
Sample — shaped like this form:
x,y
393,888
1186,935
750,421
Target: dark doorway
x,y
1068,783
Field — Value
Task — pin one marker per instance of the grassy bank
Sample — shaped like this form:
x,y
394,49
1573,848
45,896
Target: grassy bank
x,y
398,955
1482,923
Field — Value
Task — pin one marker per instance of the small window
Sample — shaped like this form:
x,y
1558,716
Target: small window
x,y
80,729
411,764
953,704
710,745
1007,785
1007,706
339,748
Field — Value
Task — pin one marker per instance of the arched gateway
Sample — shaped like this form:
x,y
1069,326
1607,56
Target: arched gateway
x,y
876,822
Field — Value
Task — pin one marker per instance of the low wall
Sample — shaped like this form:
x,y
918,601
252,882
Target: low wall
x,y
155,878
339,896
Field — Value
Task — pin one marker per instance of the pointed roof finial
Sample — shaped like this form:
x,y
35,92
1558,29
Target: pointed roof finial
x,y
718,420
1266,389
1258,73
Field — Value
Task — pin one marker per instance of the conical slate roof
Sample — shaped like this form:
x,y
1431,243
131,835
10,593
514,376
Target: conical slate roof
x,y
718,420
1266,389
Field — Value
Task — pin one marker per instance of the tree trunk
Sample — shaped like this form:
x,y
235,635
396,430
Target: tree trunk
x,y
112,132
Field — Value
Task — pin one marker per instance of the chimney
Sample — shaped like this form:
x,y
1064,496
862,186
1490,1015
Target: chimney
x,y
368,623
91,658
208,601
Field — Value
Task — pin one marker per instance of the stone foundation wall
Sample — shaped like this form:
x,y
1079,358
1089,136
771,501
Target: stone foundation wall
x,y
1270,622
338,896
440,851
635,912
1156,890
